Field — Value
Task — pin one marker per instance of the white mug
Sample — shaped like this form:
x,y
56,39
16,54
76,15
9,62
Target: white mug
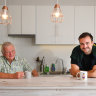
x,y
82,75
28,75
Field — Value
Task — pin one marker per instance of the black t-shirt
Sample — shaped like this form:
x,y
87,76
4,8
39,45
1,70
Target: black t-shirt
x,y
86,63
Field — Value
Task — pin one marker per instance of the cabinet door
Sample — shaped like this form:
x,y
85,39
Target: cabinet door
x,y
28,19
84,20
15,27
45,28
3,31
95,26
65,30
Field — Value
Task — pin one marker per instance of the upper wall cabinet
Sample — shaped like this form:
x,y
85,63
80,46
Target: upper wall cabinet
x,y
45,28
84,20
23,20
28,19
51,33
95,25
15,27
65,30
3,31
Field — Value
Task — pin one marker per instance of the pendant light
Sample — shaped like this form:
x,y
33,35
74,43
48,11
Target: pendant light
x,y
5,17
57,15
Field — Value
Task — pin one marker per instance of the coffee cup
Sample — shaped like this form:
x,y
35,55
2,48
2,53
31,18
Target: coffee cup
x,y
28,75
82,75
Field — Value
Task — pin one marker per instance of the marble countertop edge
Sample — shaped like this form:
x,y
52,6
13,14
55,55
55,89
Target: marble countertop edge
x,y
49,88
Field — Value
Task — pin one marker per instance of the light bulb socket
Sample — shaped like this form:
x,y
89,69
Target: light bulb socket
x,y
5,7
57,6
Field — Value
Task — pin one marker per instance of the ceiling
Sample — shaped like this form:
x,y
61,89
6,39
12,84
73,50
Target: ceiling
x,y
50,2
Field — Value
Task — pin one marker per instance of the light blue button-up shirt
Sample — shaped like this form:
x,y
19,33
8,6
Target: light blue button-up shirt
x,y
17,65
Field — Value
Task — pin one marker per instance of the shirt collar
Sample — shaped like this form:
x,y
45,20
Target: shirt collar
x,y
16,58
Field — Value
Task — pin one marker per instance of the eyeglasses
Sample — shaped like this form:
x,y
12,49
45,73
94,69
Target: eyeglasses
x,y
8,52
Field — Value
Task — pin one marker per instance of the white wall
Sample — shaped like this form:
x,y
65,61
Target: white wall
x,y
25,47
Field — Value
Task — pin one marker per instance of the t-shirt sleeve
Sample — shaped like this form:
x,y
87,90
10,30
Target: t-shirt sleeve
x,y
74,56
73,61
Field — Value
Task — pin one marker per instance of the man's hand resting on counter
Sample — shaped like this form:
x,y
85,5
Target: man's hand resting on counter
x,y
35,73
18,75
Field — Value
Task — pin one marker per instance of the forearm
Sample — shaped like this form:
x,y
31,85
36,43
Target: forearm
x,y
74,69
92,73
74,72
16,75
7,75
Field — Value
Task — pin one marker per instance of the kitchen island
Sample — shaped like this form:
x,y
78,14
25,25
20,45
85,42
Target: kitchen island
x,y
52,85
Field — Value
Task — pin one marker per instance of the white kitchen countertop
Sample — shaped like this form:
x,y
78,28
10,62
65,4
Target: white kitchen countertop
x,y
48,82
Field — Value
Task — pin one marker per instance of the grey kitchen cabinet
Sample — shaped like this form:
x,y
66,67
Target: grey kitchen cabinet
x,y
95,26
45,33
84,20
23,20
15,27
55,33
65,30
3,31
28,19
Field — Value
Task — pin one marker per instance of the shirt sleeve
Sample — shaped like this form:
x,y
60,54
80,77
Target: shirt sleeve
x,y
73,61
74,55
1,64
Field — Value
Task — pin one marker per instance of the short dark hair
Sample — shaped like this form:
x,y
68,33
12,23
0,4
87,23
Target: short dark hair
x,y
85,34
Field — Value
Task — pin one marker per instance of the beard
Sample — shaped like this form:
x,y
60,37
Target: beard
x,y
86,50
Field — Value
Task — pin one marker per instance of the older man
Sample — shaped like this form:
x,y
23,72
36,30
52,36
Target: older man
x,y
83,56
12,66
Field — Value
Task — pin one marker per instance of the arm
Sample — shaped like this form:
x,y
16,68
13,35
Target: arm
x,y
74,69
92,73
16,75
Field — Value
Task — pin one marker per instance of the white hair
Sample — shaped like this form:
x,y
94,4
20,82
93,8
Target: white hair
x,y
5,44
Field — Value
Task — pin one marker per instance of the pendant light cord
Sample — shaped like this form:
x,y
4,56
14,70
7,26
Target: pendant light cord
x,y
5,2
57,1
